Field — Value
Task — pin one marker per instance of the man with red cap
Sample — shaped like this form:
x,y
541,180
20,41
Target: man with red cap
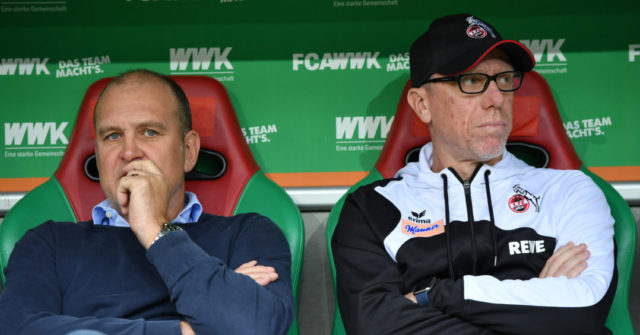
x,y
470,239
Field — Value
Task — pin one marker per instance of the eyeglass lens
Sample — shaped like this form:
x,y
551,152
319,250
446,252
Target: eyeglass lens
x,y
478,82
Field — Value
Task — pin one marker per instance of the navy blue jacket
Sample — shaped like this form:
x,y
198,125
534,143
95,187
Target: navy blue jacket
x,y
68,276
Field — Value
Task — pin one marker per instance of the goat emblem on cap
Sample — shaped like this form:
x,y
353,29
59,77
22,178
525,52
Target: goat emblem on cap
x,y
478,29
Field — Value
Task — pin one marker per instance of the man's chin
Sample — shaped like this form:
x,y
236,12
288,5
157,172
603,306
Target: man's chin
x,y
118,209
489,153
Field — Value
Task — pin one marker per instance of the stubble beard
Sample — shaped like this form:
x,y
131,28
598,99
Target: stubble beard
x,y
490,153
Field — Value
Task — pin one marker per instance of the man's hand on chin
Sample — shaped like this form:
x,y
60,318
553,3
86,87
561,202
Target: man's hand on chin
x,y
143,196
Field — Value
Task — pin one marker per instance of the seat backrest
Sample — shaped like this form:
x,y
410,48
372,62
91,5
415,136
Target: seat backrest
x,y
226,178
538,137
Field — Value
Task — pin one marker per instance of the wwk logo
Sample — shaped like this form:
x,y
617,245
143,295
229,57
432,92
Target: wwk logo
x,y
548,55
199,59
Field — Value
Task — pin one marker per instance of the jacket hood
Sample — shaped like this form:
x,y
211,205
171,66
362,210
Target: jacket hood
x,y
419,174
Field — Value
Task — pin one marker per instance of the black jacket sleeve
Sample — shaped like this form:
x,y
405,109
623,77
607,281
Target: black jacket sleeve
x,y
369,285
448,295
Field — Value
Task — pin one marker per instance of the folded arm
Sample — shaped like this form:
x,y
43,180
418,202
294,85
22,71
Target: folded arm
x,y
370,290
205,291
32,300
569,296
212,296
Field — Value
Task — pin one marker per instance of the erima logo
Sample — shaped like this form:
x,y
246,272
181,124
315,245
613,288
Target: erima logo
x,y
634,50
25,66
548,46
336,61
419,215
526,247
415,217
367,127
36,133
200,59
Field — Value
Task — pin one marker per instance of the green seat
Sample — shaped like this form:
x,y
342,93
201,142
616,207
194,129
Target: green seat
x,y
539,138
226,178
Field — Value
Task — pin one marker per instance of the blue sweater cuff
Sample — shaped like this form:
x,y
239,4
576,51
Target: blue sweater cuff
x,y
168,327
423,298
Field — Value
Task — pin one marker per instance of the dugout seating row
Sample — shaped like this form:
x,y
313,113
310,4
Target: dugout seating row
x,y
227,167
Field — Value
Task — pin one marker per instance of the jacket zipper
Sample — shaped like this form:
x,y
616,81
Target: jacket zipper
x,y
466,184
474,249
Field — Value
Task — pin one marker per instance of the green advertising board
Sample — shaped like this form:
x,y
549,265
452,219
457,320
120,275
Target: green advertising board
x,y
315,84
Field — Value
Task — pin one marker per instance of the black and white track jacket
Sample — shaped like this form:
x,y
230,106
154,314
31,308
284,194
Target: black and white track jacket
x,y
486,240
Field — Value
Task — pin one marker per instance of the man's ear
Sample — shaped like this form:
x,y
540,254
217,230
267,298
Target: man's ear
x,y
191,150
418,99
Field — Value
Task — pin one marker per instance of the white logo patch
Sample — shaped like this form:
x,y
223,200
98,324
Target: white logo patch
x,y
526,247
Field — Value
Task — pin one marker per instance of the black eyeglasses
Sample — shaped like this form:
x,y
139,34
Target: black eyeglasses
x,y
474,83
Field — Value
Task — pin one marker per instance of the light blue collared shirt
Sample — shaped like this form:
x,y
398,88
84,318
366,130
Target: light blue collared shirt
x,y
104,214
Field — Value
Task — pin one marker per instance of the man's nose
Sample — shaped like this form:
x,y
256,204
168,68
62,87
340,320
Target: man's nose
x,y
131,149
494,97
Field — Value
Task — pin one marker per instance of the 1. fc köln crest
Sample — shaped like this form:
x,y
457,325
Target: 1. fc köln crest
x,y
523,200
519,203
